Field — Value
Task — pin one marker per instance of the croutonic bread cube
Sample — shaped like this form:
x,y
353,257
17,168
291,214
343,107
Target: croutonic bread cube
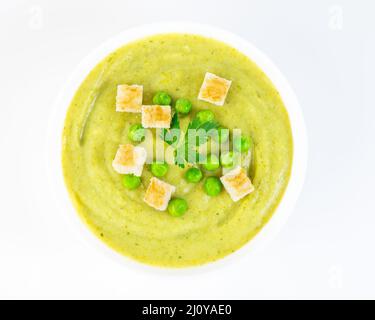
x,y
129,98
156,116
237,183
214,89
158,194
129,159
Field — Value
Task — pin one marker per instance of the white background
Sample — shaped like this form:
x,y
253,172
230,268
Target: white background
x,y
325,49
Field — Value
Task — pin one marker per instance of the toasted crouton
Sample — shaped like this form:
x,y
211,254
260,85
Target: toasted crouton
x,y
129,98
156,116
129,159
237,183
214,89
158,194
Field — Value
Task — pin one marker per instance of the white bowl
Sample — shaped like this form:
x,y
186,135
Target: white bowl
x,y
56,124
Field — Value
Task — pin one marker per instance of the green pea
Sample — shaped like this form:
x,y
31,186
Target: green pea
x,y
193,175
159,169
183,106
162,98
227,159
136,133
177,207
212,186
205,116
222,135
243,144
212,162
131,182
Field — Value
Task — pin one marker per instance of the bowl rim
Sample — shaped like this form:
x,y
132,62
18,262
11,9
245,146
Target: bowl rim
x,y
56,123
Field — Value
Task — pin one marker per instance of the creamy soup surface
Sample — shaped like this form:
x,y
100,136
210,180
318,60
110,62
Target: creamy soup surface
x,y
213,227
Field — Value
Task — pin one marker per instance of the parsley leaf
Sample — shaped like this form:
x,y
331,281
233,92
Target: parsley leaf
x,y
191,146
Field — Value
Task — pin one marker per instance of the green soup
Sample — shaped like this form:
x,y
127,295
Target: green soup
x,y
213,227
